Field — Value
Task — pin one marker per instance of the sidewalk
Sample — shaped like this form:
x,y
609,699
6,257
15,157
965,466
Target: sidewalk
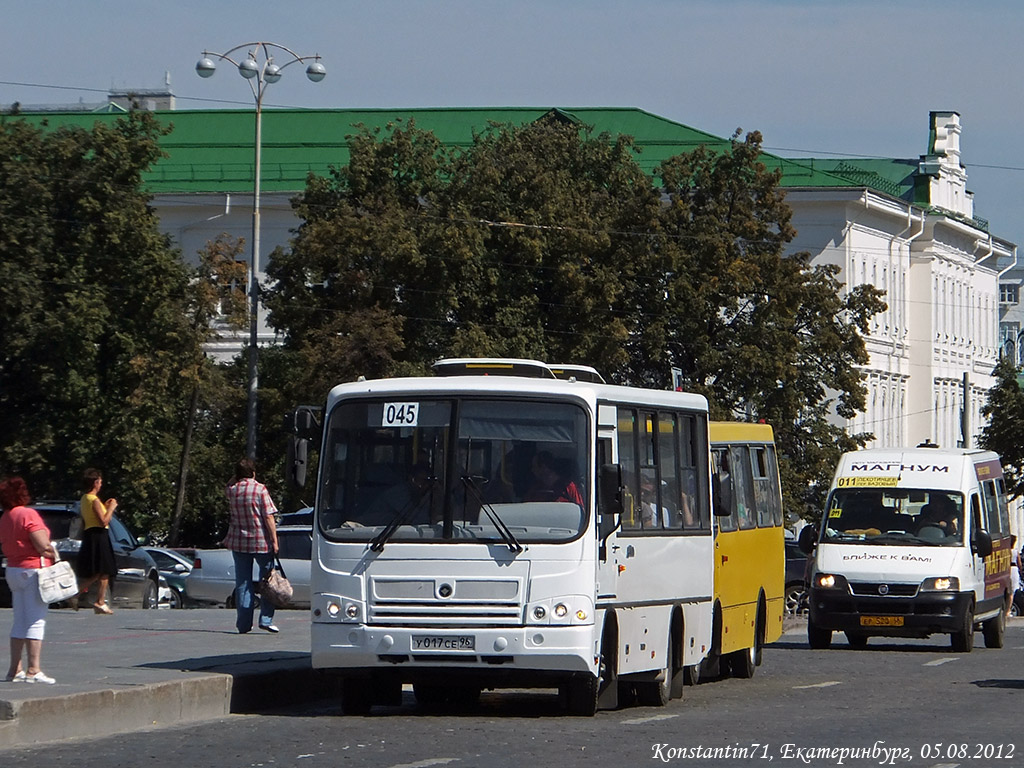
x,y
140,669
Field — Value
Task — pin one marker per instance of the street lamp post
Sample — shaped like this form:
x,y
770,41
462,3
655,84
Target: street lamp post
x,y
260,69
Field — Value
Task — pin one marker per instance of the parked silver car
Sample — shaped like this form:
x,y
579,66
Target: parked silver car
x,y
212,578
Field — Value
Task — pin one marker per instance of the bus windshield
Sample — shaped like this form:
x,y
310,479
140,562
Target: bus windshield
x,y
454,469
895,516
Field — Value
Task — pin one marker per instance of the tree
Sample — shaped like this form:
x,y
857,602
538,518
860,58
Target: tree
x,y
93,307
760,332
546,241
1004,409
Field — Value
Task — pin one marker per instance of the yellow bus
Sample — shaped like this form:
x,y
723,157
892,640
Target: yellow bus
x,y
749,577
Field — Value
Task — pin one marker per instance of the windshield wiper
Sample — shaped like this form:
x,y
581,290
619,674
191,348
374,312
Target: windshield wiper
x,y
401,518
507,536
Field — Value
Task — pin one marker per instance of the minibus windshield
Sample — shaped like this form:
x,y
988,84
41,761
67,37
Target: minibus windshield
x,y
894,516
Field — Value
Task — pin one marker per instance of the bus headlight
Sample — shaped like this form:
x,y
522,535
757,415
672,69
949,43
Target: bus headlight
x,y
941,584
333,609
561,610
539,612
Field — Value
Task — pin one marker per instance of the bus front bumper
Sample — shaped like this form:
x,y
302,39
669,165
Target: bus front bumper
x,y
501,651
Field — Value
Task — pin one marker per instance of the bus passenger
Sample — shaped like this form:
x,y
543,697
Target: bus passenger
x,y
552,481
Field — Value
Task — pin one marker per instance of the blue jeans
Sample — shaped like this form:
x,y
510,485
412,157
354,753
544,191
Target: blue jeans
x,y
243,589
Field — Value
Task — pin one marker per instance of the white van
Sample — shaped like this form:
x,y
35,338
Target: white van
x,y
914,542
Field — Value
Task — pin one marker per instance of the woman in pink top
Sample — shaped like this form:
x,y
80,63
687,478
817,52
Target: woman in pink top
x,y
26,545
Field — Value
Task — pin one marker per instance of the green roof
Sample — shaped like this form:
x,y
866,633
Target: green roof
x,y
212,150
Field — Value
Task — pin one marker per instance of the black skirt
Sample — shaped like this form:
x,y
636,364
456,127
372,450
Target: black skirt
x,y
96,557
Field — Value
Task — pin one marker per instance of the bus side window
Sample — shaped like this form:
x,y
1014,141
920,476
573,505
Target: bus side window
x,y
743,488
763,491
628,462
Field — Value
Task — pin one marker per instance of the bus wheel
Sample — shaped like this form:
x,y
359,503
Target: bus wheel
x,y
585,693
657,693
691,674
356,696
856,639
817,637
993,630
962,641
742,663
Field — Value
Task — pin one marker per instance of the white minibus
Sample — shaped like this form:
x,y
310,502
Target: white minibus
x,y
914,542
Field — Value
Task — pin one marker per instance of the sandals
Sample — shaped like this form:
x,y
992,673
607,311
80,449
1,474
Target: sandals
x,y
104,609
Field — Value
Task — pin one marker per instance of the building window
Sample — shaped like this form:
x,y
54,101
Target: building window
x,y
1008,293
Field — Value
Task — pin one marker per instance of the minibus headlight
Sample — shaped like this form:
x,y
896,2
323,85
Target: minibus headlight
x,y
333,609
941,584
830,581
561,610
352,611
539,612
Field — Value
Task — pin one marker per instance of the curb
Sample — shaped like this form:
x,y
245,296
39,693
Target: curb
x,y
159,705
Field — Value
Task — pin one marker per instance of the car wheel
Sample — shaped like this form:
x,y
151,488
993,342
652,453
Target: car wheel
x,y
796,600
151,597
177,600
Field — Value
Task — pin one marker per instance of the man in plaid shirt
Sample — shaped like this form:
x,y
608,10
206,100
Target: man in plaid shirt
x,y
252,538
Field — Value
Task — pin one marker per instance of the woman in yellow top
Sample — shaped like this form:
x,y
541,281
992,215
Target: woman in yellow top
x,y
96,557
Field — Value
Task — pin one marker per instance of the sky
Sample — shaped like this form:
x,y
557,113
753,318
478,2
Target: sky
x,y
816,77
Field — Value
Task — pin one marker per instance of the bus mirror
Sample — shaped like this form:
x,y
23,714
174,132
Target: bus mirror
x,y
807,539
982,543
298,449
610,481
720,508
303,422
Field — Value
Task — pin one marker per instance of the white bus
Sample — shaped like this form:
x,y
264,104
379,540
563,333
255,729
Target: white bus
x,y
497,526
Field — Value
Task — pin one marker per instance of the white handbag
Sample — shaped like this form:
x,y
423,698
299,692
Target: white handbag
x,y
57,582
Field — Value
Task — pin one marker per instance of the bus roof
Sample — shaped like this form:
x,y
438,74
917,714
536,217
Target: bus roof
x,y
740,432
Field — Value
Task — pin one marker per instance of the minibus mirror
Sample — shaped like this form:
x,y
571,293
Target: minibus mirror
x,y
982,543
610,482
807,539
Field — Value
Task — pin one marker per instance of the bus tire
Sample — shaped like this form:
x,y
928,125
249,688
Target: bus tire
x,y
962,641
658,693
742,663
356,696
691,674
817,637
994,629
586,693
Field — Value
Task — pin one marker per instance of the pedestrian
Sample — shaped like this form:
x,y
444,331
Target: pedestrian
x,y
96,562
251,537
25,541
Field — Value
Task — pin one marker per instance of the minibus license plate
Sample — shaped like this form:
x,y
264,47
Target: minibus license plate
x,y
443,642
881,621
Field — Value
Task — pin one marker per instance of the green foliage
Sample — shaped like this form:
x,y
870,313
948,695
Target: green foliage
x,y
544,241
93,307
1004,409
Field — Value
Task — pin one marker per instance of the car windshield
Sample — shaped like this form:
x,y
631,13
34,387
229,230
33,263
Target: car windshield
x,y
460,470
891,516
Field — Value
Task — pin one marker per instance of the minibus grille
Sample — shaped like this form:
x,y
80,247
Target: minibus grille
x,y
445,602
882,589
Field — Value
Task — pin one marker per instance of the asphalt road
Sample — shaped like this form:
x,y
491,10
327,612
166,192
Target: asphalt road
x,y
908,703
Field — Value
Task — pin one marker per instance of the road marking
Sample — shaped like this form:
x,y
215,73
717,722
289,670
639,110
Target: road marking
x,y
940,662
817,685
946,765
427,763
652,719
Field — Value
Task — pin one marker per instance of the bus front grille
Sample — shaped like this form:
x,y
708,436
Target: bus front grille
x,y
452,602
